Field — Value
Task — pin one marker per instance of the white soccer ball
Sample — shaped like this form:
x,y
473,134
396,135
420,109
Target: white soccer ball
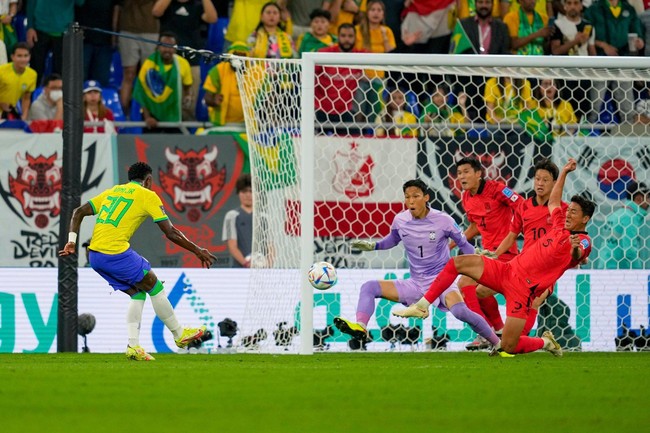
x,y
322,275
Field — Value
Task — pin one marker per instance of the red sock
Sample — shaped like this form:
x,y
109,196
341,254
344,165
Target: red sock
x,y
442,281
490,308
528,344
469,293
531,319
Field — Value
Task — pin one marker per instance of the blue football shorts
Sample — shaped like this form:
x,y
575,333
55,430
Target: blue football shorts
x,y
122,271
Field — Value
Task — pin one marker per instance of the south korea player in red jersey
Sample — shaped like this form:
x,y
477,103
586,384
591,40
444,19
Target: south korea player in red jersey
x,y
528,276
489,206
533,220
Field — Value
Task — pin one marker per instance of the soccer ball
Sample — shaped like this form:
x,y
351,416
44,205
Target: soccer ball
x,y
322,275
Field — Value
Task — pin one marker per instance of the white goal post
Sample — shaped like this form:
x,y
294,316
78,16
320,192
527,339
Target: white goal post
x,y
292,216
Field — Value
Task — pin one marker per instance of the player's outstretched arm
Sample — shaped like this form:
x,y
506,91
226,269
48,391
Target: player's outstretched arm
x,y
363,245
385,244
75,222
555,200
470,233
506,243
177,237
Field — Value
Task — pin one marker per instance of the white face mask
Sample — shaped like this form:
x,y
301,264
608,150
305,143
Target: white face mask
x,y
55,95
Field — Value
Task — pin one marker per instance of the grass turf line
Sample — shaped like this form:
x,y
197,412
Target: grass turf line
x,y
329,392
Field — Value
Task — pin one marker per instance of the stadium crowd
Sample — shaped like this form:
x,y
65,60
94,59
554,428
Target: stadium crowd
x,y
120,67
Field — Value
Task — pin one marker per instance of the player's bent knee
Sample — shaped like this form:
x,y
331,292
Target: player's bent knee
x,y
484,292
148,282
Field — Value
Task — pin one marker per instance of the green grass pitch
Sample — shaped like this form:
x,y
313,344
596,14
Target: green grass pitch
x,y
326,392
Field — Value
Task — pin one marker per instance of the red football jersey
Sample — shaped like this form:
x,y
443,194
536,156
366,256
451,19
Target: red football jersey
x,y
491,209
533,220
547,259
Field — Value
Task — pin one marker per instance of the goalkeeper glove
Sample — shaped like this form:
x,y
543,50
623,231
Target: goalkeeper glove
x,y
363,245
487,253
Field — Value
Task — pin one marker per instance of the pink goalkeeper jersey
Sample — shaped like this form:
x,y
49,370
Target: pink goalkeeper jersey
x,y
426,241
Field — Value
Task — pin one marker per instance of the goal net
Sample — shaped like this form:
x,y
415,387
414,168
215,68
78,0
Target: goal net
x,y
332,138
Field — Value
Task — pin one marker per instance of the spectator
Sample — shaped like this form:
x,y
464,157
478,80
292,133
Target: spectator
x,y
46,22
301,14
163,85
49,104
8,9
468,8
221,91
17,82
613,20
481,33
542,7
269,40
478,34
95,110
136,20
505,97
644,17
343,11
438,110
574,36
98,47
624,244
374,37
184,18
553,109
241,25
238,225
528,29
318,35
395,113
336,86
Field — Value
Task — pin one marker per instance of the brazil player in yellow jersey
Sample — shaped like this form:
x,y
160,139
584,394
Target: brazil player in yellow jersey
x,y
120,211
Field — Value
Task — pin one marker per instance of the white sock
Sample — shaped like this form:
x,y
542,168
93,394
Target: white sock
x,y
165,312
133,319
423,304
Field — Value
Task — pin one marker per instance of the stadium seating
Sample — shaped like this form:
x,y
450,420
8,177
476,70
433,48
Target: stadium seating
x,y
111,98
115,79
201,107
216,35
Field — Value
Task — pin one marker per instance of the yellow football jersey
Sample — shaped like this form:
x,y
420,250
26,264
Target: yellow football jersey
x,y
120,211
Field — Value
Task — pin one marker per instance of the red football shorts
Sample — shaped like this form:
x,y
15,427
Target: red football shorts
x,y
500,277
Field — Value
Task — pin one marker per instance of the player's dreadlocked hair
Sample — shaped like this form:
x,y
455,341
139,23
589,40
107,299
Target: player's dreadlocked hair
x,y
548,165
417,183
139,171
588,207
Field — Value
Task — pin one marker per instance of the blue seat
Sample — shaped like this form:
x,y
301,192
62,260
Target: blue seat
x,y
19,24
116,76
412,103
111,98
36,93
217,35
201,107
608,113
136,116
